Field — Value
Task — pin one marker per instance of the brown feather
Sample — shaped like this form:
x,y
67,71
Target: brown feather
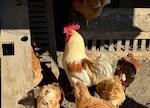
x,y
85,100
111,89
50,96
72,67
36,68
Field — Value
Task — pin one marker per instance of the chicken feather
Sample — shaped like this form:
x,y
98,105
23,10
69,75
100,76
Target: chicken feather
x,y
100,69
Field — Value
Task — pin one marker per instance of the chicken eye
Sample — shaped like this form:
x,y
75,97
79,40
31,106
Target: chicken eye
x,y
46,92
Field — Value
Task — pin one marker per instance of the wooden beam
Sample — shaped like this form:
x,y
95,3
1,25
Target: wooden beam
x,y
51,29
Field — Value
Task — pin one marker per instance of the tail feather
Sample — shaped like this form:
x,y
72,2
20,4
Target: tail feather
x,y
100,69
103,63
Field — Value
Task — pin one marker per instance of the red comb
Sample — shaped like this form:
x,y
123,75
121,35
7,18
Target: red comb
x,y
71,27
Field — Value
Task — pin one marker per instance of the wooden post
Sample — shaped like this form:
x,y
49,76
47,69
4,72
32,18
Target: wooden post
x,y
15,48
51,29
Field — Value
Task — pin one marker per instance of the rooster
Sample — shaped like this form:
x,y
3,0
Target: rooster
x,y
83,98
127,68
77,65
111,90
90,9
50,96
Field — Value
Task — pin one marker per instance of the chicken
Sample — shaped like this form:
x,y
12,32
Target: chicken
x,y
133,61
83,98
111,90
50,96
89,8
127,68
77,65
36,68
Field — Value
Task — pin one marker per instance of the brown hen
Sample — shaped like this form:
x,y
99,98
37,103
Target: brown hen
x,y
50,96
127,68
84,99
111,89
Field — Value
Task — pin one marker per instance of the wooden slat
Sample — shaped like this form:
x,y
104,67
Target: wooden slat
x,y
41,19
102,45
148,45
42,41
127,45
111,45
38,13
143,45
86,44
135,44
39,37
119,45
51,29
38,25
39,30
39,9
93,45
115,35
37,4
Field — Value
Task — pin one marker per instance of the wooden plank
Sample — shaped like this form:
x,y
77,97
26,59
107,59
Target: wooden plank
x,y
38,25
42,41
37,9
111,45
51,29
39,30
135,44
93,45
86,44
115,35
37,4
143,45
102,45
127,45
148,45
119,45
16,68
39,20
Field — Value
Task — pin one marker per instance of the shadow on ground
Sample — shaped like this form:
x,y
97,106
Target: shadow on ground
x,y
130,103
